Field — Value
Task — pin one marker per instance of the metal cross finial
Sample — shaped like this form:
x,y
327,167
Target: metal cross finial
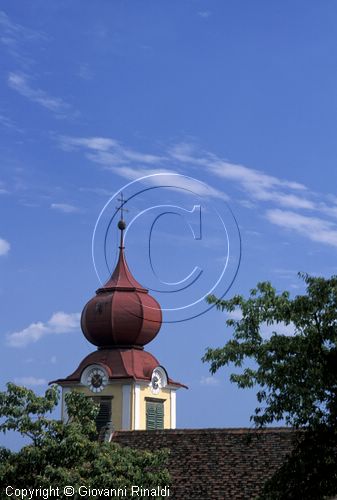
x,y
121,223
121,207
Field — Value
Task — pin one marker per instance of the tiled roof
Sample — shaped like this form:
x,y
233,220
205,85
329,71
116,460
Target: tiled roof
x,y
216,464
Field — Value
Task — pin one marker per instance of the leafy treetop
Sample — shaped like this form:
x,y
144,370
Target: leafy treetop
x,y
296,374
296,377
68,453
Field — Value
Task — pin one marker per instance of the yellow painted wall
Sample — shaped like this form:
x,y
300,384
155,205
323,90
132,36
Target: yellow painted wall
x,y
114,390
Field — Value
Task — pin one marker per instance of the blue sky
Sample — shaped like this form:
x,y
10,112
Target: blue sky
x,y
239,95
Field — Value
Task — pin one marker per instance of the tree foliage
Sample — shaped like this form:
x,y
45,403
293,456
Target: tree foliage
x,y
287,348
62,454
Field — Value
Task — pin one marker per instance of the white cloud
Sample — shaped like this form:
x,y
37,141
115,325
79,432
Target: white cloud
x,y
236,314
13,33
209,381
295,286
279,328
133,173
182,183
285,273
330,210
107,152
59,322
314,228
99,191
281,195
85,72
287,200
20,83
260,186
6,122
247,204
133,165
95,143
204,14
64,207
255,181
4,247
141,157
32,381
250,232
277,192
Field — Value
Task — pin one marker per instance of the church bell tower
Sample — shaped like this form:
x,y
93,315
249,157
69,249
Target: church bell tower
x,y
133,390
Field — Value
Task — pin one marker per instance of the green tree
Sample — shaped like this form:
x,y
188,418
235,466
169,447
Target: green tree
x,y
296,376
62,454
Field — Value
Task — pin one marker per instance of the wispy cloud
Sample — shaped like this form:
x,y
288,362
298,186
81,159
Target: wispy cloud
x,y
283,200
65,208
108,152
18,39
60,322
204,14
164,177
12,33
85,72
314,228
30,381
132,165
98,191
259,185
4,247
285,273
21,84
8,123
91,143
209,381
286,199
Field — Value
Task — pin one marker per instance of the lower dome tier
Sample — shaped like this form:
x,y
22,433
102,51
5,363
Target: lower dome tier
x,y
134,364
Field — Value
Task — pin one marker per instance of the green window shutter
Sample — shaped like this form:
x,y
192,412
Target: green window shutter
x,y
154,415
150,416
160,416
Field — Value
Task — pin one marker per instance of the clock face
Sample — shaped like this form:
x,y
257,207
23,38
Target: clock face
x,y
158,380
97,379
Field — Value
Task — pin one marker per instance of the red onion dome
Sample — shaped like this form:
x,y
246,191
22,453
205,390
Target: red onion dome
x,y
122,313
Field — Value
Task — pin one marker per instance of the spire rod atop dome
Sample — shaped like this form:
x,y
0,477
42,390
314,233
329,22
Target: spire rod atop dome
x,y
122,223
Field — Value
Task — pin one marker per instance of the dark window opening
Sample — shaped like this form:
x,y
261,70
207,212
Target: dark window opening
x,y
104,415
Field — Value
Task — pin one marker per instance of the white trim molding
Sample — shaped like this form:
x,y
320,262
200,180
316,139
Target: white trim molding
x,y
126,407
173,409
137,407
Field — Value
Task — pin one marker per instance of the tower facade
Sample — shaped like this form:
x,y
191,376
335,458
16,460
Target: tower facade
x,y
133,390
